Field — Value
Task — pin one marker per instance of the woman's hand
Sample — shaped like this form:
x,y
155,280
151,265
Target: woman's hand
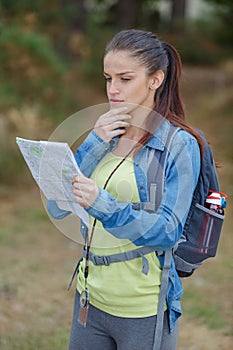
x,y
85,190
112,123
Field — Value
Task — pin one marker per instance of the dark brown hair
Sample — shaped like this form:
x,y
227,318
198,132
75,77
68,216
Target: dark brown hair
x,y
157,55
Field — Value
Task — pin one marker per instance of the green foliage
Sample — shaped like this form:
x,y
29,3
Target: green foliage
x,y
91,65
223,18
196,49
222,5
34,44
9,94
31,71
16,7
201,42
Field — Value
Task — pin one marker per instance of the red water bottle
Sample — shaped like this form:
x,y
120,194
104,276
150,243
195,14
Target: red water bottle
x,y
214,202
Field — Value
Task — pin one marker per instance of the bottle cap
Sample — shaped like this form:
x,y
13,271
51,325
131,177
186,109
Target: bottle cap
x,y
214,198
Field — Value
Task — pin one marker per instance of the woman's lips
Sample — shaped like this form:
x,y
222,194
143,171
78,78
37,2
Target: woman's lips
x,y
113,100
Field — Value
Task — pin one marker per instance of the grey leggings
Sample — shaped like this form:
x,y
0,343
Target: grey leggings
x,y
107,332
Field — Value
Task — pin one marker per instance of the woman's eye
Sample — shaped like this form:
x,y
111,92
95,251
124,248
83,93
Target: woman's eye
x,y
107,79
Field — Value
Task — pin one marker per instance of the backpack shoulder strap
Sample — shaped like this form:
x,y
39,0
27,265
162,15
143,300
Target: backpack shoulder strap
x,y
156,170
162,299
156,173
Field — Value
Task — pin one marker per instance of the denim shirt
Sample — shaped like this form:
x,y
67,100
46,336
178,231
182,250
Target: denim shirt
x,y
161,229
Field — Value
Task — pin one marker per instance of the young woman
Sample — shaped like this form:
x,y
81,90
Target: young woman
x,y
119,299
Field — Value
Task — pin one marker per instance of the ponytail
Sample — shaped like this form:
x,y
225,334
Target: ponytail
x,y
168,100
168,97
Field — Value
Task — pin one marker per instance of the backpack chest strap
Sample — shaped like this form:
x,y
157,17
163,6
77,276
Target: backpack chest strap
x,y
124,256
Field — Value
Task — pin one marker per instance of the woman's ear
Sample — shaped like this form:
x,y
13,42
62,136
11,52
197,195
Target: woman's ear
x,y
156,80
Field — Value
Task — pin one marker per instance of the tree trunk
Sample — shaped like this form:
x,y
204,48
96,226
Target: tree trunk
x,y
178,14
79,14
126,13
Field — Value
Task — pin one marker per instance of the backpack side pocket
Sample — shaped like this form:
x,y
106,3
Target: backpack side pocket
x,y
210,229
201,239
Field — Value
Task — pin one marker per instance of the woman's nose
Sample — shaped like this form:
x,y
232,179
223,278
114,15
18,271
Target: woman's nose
x,y
112,89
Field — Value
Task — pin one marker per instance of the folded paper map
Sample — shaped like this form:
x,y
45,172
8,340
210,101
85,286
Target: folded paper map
x,y
53,166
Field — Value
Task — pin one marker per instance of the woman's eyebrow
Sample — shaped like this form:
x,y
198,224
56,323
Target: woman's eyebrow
x,y
122,73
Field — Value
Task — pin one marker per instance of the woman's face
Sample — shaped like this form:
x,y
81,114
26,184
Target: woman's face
x,y
127,81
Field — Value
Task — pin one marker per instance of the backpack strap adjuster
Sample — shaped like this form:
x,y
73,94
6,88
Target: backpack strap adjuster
x,y
100,260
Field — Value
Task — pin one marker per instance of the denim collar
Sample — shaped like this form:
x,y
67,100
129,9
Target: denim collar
x,y
159,138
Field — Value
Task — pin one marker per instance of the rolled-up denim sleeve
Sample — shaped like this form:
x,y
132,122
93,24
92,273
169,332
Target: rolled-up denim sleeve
x,y
163,228
55,211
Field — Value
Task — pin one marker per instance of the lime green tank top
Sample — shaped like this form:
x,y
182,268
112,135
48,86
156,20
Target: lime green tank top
x,y
120,289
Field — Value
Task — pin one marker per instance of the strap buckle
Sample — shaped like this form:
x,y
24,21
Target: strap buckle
x,y
100,260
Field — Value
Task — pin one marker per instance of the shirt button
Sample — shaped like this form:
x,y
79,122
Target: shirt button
x,y
141,187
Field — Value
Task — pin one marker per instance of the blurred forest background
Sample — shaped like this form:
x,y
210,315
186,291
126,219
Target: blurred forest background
x,y
51,67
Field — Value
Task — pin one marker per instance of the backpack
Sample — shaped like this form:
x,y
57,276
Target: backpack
x,y
202,228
